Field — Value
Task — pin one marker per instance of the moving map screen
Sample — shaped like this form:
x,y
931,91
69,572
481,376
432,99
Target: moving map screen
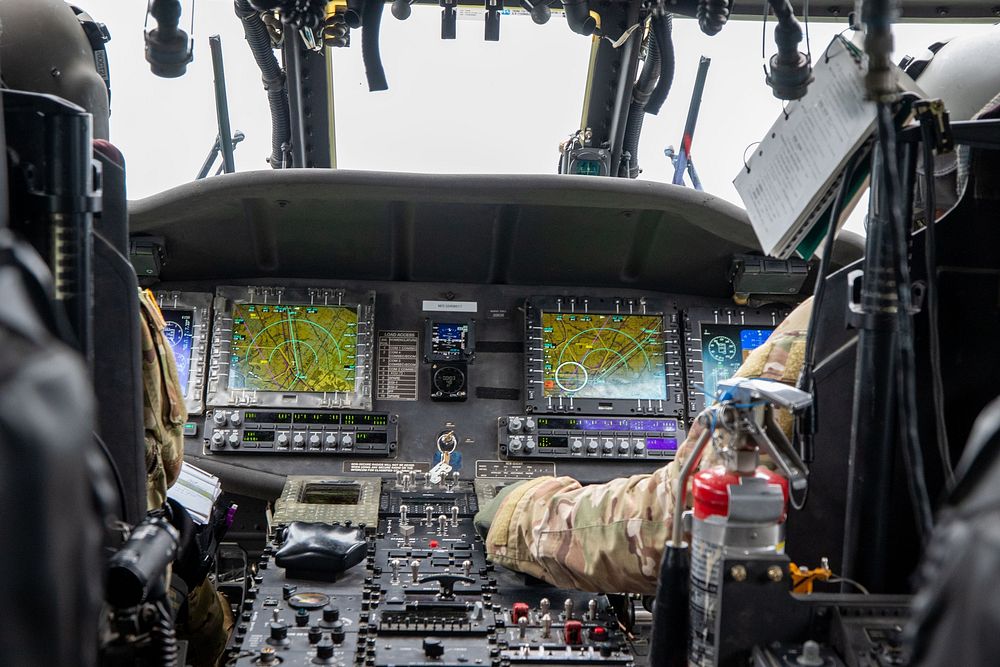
x,y
293,348
589,355
724,348
179,334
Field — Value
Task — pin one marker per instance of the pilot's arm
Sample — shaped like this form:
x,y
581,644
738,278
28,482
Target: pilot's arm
x,y
610,537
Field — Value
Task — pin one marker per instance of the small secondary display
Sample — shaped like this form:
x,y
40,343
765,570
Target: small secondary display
x,y
724,348
661,444
293,348
179,333
590,355
608,424
449,340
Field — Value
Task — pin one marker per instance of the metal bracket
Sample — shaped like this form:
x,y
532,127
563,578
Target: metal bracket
x,y
934,113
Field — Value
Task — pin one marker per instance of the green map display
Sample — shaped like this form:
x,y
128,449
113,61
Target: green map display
x,y
603,356
293,348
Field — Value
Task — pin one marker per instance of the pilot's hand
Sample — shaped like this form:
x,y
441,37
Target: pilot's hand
x,y
484,517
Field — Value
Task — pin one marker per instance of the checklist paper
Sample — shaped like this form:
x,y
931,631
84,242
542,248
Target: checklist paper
x,y
793,174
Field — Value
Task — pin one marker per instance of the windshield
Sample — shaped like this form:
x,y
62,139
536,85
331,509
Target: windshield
x,y
457,106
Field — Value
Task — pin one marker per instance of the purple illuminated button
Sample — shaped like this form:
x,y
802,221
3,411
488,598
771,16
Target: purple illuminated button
x,y
661,444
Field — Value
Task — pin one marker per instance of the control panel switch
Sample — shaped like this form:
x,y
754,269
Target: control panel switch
x,y
518,611
573,632
433,648
514,425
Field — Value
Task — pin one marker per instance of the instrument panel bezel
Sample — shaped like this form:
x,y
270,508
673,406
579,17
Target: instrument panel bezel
x,y
200,306
535,401
219,393
694,318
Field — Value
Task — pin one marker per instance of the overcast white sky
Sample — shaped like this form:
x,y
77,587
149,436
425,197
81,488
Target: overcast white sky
x,y
462,106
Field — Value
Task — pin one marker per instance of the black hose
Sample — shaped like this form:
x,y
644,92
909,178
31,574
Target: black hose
x,y
668,642
712,15
788,32
274,81
930,259
637,110
906,377
371,23
663,28
578,17
163,638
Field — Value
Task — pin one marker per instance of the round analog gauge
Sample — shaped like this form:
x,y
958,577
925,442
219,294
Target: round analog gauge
x,y
722,348
308,601
448,379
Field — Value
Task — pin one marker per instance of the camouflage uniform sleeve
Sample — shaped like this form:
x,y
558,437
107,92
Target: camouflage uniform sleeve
x,y
609,537
163,407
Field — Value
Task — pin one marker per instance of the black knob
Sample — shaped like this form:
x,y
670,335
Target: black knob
x,y
315,634
433,648
331,613
279,634
337,632
302,618
324,650
248,605
287,590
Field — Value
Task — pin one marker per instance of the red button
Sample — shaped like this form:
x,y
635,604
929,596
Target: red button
x,y
598,634
519,611
433,544
572,632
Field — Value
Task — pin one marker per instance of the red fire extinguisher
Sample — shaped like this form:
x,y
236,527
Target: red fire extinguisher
x,y
739,510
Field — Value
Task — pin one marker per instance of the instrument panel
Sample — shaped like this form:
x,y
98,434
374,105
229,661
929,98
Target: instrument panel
x,y
369,378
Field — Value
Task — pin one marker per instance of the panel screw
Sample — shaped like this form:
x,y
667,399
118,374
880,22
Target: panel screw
x,y
774,573
738,573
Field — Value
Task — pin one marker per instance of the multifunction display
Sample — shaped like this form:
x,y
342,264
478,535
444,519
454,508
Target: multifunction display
x,y
293,348
724,348
449,339
179,332
718,341
603,356
307,348
186,317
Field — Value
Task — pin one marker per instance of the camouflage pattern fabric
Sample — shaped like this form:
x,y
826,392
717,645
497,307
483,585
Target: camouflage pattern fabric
x,y
207,627
164,413
209,619
610,537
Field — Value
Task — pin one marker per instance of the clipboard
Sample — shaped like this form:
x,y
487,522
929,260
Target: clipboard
x,y
793,175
